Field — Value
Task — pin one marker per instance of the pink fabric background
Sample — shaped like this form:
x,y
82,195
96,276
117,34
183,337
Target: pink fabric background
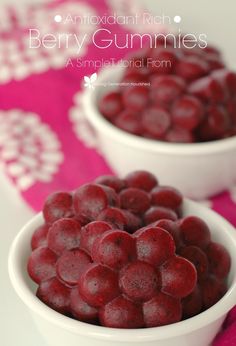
x,y
50,95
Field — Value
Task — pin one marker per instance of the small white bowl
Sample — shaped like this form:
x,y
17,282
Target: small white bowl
x,y
199,170
60,330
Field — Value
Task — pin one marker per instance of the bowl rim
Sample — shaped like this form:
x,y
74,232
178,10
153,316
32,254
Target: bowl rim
x,y
89,103
18,280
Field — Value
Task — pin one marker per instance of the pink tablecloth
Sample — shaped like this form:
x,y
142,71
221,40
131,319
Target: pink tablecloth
x,y
44,142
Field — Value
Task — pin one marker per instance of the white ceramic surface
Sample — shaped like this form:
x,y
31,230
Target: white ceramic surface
x,y
60,330
199,170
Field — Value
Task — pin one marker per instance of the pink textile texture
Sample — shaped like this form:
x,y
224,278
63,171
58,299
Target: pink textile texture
x,y
41,149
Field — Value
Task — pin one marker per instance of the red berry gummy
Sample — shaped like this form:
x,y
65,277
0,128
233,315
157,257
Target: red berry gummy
x,y
39,238
135,200
157,213
124,256
98,285
129,121
179,135
114,216
111,181
178,277
194,231
191,68
121,313
166,89
216,124
110,105
115,249
54,294
172,228
219,260
41,264
71,265
141,180
161,310
156,121
136,98
58,205
91,199
195,255
166,196
192,304
91,233
80,309
139,281
64,234
155,246
133,221
162,55
189,99
187,112
212,291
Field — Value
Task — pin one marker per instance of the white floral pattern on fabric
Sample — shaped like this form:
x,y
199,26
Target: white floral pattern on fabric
x,y
18,60
29,149
81,127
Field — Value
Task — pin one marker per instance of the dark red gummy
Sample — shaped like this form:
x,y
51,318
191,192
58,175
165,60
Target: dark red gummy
x,y
216,123
191,68
98,285
192,304
161,55
134,200
219,260
166,89
91,232
166,196
121,313
139,281
179,135
207,89
161,310
155,246
212,291
156,121
133,222
178,277
80,309
110,104
91,199
115,249
64,234
135,98
58,205
71,265
115,216
141,180
129,121
157,213
195,255
111,181
41,264
55,295
226,78
171,227
39,237
187,112
194,231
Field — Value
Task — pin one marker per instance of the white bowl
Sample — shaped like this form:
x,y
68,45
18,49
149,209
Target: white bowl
x,y
199,170
59,330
